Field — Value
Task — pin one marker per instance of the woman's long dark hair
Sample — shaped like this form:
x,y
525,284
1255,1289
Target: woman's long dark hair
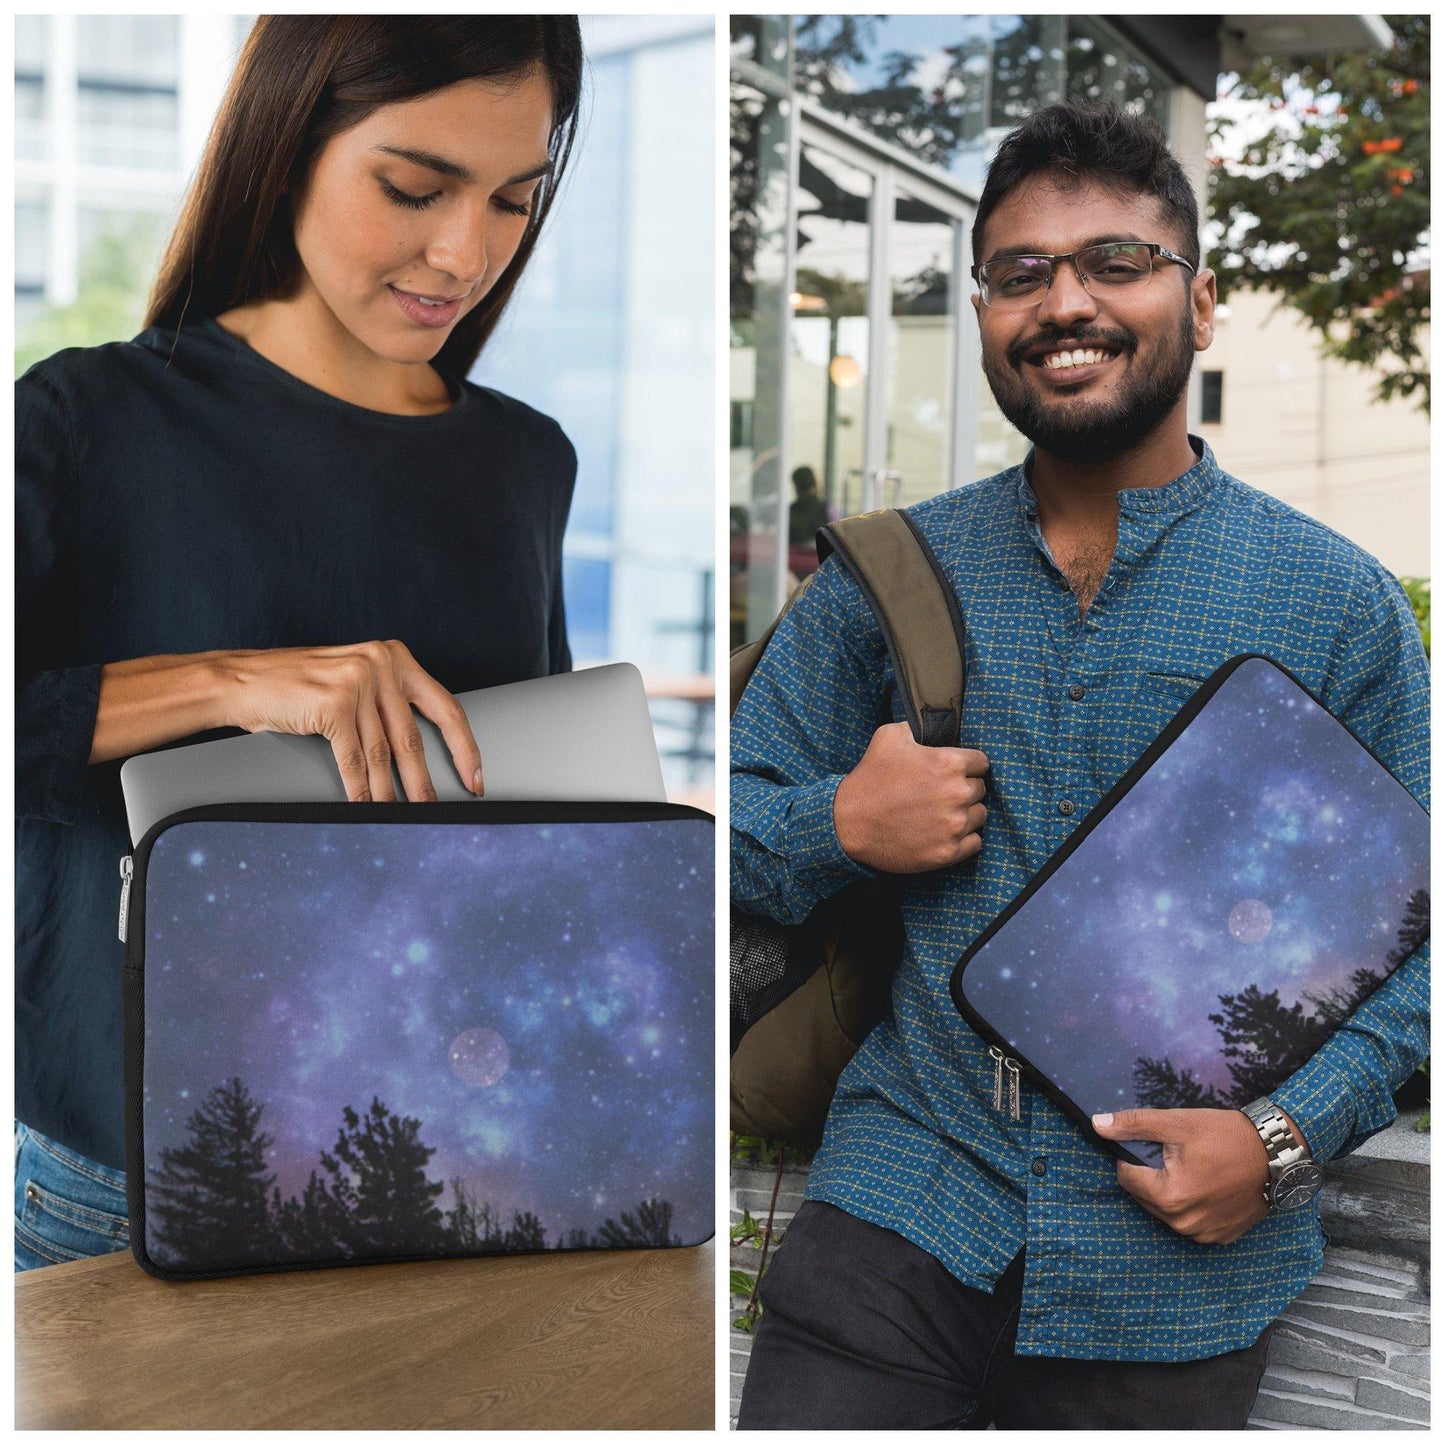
x,y
302,79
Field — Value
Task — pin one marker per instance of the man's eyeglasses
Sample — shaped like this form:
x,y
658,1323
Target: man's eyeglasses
x,y
1015,282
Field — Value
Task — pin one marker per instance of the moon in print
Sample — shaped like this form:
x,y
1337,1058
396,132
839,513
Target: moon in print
x,y
1250,921
479,1057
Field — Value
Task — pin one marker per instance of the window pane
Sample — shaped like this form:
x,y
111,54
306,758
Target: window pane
x,y
137,49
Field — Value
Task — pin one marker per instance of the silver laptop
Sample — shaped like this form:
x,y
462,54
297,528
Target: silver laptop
x,y
578,737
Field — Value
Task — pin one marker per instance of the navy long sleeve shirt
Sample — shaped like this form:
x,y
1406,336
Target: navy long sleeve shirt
x,y
1205,569
179,493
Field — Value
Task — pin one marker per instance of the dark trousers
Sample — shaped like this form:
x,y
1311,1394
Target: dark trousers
x,y
863,1330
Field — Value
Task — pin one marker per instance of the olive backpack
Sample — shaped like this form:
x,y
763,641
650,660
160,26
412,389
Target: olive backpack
x,y
803,997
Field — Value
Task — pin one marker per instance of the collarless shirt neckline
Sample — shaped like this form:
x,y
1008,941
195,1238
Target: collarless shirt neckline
x,y
1166,503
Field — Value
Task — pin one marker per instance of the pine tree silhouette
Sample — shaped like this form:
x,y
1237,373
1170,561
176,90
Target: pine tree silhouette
x,y
1263,1040
650,1226
1334,1007
314,1226
526,1233
1159,1085
577,1239
471,1224
378,1179
1415,928
207,1201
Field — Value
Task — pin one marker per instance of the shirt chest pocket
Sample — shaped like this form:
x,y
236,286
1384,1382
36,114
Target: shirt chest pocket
x,y
1162,691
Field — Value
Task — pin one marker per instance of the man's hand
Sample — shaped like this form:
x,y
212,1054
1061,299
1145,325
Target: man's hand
x,y
1211,1188
907,808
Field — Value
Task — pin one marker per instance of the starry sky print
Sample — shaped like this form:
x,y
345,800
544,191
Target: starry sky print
x,y
1265,846
540,996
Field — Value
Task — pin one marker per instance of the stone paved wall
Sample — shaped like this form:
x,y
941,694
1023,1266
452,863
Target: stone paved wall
x,y
1351,1353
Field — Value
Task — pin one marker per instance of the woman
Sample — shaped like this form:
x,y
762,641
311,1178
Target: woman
x,y
218,521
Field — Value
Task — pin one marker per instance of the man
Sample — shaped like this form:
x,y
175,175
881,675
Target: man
x,y
808,511
951,1264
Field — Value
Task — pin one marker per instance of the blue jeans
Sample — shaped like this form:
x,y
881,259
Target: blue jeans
x,y
66,1206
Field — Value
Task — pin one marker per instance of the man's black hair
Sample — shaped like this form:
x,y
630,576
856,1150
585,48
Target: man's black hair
x,y
1099,143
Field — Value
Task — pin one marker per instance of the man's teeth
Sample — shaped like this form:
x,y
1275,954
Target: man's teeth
x,y
1078,357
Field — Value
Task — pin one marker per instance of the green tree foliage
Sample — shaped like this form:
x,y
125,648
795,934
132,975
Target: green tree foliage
x,y
1329,208
1417,589
209,1199
115,274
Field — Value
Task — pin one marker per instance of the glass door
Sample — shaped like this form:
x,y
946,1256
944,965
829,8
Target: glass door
x,y
874,375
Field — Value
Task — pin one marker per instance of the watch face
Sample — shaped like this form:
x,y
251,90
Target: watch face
x,y
1298,1185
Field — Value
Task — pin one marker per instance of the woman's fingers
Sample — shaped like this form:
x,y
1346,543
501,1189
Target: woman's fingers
x,y
340,731
358,697
372,729
406,742
433,701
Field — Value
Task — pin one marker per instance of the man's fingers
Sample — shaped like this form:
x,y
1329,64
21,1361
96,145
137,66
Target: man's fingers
x,y
975,764
1163,1126
1144,1184
433,701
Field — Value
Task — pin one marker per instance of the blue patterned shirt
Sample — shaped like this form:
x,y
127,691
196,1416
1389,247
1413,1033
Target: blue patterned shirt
x,y
1205,568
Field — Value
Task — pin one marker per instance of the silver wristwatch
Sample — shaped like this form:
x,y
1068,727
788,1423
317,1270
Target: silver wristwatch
x,y
1294,1177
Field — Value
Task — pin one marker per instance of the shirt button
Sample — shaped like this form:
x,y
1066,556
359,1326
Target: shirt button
x,y
1076,692
1067,808
1040,1168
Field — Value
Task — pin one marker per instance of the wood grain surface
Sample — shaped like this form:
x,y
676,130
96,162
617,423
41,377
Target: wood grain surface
x,y
593,1340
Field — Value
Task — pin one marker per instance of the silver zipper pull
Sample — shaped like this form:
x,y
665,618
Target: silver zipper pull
x,y
1015,1109
127,869
996,1054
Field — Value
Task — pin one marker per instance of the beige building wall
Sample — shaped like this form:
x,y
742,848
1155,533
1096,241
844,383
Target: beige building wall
x,y
1306,429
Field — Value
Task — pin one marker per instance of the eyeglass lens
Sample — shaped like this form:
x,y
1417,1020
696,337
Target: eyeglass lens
x,y
1026,278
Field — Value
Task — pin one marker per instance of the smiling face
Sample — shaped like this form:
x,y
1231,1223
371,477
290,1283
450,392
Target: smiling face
x,y
409,218
1088,375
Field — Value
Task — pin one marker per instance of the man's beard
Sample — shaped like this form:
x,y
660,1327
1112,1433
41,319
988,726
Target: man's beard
x,y
1095,431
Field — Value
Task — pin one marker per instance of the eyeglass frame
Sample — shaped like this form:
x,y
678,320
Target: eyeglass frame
x,y
1156,252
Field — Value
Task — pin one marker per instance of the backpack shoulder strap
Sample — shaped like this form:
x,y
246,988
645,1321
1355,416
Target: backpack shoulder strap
x,y
887,556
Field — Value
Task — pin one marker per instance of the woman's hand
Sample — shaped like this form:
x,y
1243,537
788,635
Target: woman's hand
x,y
358,697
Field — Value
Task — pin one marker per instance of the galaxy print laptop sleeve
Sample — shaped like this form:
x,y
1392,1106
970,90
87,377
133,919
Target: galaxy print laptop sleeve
x,y
377,1032
1246,885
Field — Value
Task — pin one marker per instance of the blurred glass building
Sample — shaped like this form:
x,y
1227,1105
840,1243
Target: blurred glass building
x,y
612,331
858,148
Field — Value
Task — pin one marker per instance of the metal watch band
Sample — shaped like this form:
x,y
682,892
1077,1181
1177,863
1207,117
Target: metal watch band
x,y
1274,1129
1285,1156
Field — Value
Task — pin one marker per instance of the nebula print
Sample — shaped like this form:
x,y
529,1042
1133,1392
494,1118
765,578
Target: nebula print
x,y
537,998
1256,884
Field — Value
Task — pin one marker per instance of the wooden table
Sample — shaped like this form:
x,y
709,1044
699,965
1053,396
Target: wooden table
x,y
604,1340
